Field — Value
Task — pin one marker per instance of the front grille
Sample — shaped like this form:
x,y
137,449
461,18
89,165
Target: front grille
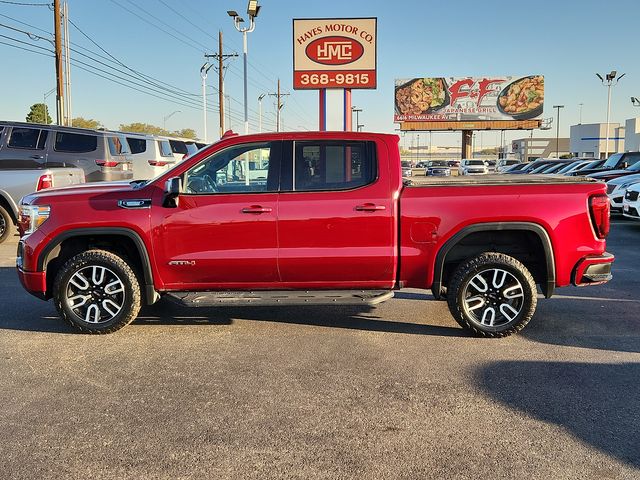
x,y
631,195
610,189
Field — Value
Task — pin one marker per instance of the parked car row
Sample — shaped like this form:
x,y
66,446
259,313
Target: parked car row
x,y
103,155
34,157
621,172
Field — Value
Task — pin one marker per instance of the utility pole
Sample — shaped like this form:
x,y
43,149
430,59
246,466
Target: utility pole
x,y
220,57
279,104
67,65
58,55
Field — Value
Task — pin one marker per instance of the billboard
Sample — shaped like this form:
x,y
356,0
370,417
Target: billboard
x,y
334,53
469,98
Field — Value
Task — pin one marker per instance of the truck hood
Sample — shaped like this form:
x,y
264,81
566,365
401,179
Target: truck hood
x,y
84,190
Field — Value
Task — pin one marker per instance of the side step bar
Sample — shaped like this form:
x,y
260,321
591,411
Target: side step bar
x,y
280,297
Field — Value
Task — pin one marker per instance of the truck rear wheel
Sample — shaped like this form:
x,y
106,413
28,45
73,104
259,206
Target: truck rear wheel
x,y
6,222
97,292
493,295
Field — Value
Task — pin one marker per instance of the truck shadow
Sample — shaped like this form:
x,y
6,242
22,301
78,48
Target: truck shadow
x,y
598,403
349,317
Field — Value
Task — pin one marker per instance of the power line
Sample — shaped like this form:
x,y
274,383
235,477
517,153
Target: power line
x,y
28,49
24,4
157,27
151,84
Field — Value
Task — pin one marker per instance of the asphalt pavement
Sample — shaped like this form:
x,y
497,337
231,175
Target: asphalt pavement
x,y
395,391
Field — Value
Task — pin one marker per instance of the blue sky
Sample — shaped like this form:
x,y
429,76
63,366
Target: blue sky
x,y
567,41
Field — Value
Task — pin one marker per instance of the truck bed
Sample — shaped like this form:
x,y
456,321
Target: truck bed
x,y
493,180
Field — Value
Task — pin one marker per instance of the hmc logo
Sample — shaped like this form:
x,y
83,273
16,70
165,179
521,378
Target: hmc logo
x,y
334,50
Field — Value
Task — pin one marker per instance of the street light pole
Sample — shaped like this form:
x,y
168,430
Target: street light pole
x,y
558,107
262,95
252,10
608,81
357,112
580,114
203,74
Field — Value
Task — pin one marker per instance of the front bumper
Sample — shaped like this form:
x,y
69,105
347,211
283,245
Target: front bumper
x,y
632,211
593,270
34,282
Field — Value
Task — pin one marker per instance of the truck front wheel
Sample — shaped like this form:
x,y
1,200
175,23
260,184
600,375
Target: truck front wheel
x,y
493,295
97,292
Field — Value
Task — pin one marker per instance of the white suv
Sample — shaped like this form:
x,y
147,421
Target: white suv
x,y
472,167
631,204
616,189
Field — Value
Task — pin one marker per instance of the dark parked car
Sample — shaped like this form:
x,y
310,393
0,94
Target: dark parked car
x,y
438,168
535,166
611,174
617,161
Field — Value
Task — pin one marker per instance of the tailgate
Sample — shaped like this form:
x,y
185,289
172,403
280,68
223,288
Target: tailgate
x,y
63,177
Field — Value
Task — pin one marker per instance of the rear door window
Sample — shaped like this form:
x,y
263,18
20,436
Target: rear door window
x,y
165,148
178,146
29,138
75,142
333,165
118,145
137,145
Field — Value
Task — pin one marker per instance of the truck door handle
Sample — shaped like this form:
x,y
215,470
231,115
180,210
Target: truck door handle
x,y
369,207
37,157
256,209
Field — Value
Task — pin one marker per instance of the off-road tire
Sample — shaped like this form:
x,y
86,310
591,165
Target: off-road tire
x,y
461,284
118,268
6,224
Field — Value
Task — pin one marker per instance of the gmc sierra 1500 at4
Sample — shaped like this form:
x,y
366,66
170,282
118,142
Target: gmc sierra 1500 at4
x,y
332,222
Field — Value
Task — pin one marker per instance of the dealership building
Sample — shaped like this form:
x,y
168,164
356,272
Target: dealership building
x,y
528,149
590,139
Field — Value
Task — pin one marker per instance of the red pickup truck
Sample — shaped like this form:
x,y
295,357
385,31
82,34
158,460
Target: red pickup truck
x,y
330,220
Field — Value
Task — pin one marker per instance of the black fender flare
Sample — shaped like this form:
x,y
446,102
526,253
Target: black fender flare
x,y
547,289
150,292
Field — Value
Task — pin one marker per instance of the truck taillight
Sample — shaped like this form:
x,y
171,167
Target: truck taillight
x,y
158,163
45,181
599,209
107,163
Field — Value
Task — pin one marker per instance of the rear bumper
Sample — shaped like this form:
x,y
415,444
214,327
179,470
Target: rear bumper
x,y
593,270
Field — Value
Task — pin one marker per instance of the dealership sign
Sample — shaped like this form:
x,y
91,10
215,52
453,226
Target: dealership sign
x,y
469,98
334,53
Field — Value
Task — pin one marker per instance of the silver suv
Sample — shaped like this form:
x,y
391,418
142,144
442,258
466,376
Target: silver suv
x,y
103,155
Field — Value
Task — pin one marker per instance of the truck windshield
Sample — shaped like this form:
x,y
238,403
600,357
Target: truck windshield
x,y
475,162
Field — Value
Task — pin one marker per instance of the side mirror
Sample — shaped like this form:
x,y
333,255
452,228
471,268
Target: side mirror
x,y
172,189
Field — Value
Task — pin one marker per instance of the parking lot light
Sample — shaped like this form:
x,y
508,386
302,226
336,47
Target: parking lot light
x,y
609,80
252,10
558,107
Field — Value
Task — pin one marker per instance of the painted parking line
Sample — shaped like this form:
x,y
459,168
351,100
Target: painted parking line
x,y
598,299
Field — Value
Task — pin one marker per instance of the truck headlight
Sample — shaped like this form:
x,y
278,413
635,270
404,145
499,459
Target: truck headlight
x,y
31,217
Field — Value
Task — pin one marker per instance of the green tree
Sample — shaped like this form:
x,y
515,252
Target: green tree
x,y
82,122
138,127
39,113
186,133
